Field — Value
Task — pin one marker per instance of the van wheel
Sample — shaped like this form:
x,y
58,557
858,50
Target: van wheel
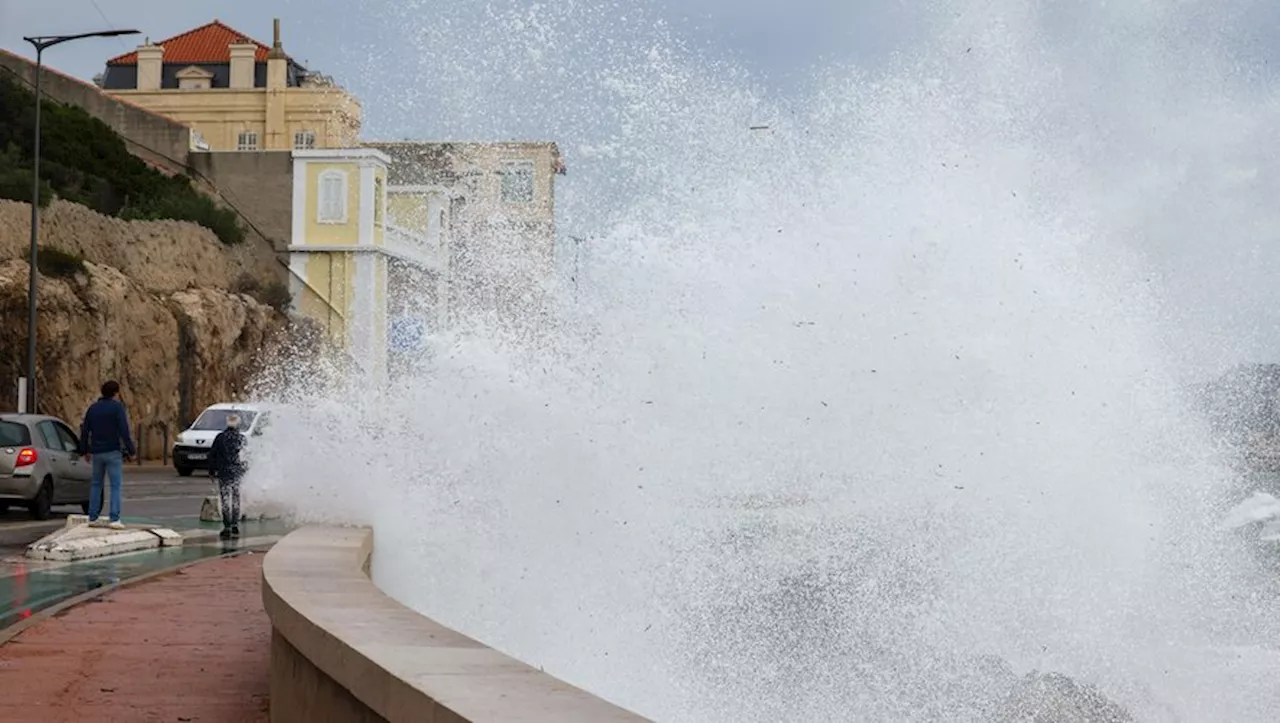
x,y
184,471
42,505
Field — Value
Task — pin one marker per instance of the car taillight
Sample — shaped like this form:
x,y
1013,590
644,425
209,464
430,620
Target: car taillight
x,y
26,458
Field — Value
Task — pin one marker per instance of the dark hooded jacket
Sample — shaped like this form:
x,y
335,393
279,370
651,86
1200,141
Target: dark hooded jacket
x,y
226,457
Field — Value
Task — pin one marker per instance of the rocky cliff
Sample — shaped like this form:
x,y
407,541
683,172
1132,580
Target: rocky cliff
x,y
153,306
161,256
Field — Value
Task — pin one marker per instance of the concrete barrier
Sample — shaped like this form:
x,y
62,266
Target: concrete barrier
x,y
341,650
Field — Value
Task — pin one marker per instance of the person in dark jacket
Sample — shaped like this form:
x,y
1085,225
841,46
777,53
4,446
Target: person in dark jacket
x,y
105,440
226,464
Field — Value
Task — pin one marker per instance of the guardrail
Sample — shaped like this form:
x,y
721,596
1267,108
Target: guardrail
x,y
142,438
341,650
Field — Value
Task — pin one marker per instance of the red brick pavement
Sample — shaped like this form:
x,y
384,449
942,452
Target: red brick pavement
x,y
191,646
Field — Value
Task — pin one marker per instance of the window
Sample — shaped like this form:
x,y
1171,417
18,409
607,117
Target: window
x,y
55,437
378,200
304,140
69,440
517,182
194,77
332,207
248,141
215,420
13,434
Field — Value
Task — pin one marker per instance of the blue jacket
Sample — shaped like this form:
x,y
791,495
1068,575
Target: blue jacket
x,y
106,429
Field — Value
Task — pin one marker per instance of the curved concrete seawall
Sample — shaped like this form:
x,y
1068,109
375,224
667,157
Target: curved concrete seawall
x,y
341,650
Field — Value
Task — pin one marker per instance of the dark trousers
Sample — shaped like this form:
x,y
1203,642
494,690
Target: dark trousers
x,y
229,495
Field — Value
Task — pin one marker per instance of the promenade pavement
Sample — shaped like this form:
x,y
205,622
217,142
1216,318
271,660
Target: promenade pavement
x,y
151,494
193,645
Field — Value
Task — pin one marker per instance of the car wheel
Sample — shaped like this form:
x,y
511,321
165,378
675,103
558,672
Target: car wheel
x,y
4,506
184,471
42,505
85,506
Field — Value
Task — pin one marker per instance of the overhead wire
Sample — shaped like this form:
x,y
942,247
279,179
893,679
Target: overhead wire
x,y
110,25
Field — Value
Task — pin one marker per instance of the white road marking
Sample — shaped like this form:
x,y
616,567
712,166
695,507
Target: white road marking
x,y
7,526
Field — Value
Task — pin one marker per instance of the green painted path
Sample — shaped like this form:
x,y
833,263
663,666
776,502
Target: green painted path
x,y
29,586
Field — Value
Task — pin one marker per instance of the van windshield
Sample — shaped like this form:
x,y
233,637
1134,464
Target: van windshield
x,y
215,420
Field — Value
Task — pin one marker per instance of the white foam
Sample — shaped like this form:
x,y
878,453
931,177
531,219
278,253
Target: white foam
x,y
835,409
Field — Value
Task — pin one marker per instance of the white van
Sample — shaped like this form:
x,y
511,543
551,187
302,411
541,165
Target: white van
x,y
191,448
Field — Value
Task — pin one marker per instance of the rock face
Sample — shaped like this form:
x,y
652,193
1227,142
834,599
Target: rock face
x,y
160,320
160,256
217,331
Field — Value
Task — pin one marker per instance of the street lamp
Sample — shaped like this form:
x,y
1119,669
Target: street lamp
x,y
41,42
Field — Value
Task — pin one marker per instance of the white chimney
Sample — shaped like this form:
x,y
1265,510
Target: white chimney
x,y
243,63
150,66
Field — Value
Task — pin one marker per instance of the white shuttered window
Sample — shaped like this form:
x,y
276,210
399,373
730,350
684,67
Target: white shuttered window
x,y
333,197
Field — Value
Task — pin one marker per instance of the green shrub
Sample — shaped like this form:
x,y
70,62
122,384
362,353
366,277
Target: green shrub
x,y
15,180
59,264
246,283
84,161
196,208
274,294
15,185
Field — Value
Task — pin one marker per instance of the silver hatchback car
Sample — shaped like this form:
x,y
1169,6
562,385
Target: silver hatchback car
x,y
40,466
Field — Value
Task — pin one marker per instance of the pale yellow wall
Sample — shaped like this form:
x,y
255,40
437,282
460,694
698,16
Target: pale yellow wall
x,y
348,291
380,308
380,216
330,305
332,278
489,158
409,210
330,234
220,114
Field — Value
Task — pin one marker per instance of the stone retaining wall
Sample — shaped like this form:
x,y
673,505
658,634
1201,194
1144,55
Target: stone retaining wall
x,y
150,136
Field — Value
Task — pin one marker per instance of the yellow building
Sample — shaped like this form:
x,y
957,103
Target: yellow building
x,y
346,261
486,212
235,93
337,256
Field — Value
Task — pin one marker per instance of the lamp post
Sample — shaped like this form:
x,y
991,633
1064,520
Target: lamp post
x,y
41,42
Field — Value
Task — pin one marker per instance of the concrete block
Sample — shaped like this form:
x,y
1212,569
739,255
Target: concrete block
x,y
76,521
211,511
83,542
168,538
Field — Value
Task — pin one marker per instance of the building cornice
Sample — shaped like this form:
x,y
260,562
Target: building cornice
x,y
341,154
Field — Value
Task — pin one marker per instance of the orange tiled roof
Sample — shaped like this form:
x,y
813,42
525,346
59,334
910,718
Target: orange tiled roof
x,y
205,44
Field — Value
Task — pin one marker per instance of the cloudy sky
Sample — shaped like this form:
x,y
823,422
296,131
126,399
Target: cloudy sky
x,y
1173,122
777,41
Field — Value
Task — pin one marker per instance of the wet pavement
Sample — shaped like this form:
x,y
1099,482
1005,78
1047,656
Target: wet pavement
x,y
29,586
202,629
151,494
189,646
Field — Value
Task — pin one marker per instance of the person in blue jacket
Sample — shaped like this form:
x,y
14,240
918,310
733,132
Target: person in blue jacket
x,y
105,440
